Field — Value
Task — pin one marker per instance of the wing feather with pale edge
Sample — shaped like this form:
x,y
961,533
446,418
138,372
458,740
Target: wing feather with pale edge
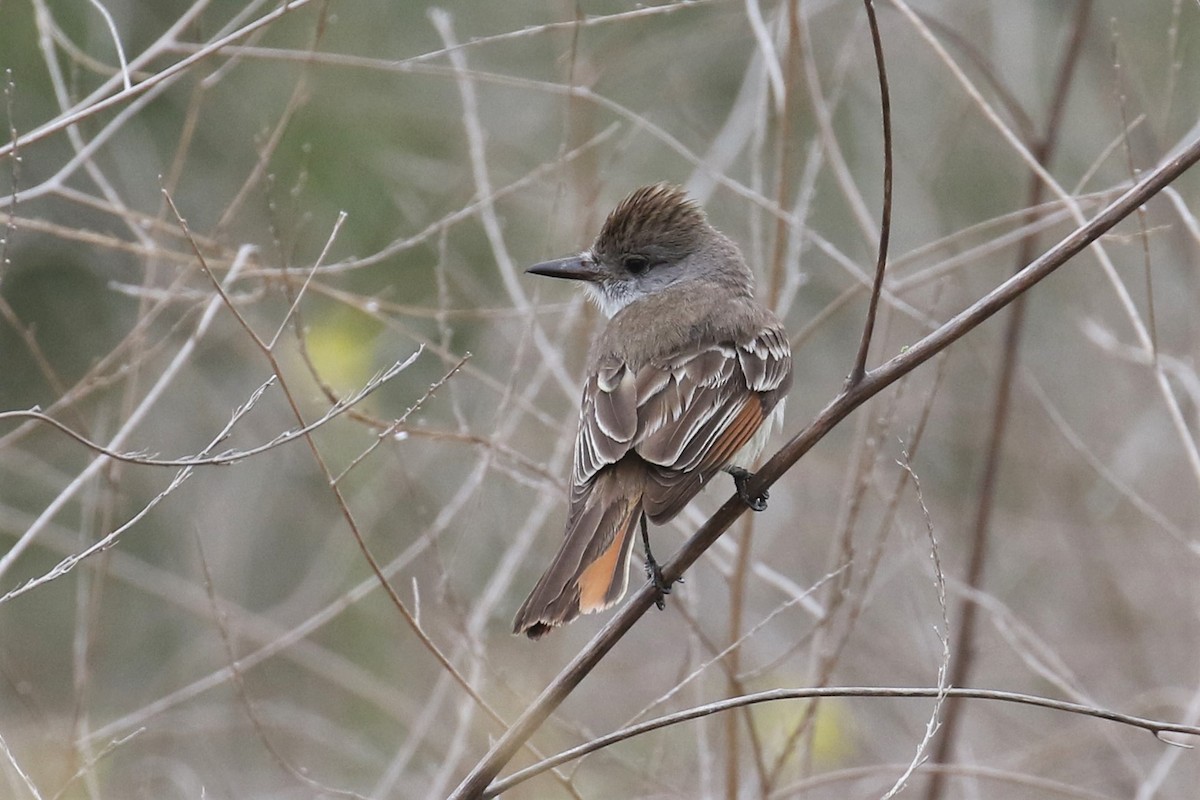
x,y
686,416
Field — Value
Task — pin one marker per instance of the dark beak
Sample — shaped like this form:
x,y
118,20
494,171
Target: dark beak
x,y
576,268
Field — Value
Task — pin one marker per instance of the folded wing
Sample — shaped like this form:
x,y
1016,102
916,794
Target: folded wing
x,y
685,416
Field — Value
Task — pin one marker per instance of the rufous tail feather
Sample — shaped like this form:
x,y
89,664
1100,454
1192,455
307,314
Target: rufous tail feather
x,y
591,570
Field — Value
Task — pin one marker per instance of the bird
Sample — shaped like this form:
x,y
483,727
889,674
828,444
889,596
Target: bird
x,y
687,379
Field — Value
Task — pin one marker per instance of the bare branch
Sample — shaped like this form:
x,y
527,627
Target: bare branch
x,y
834,412
30,786
228,456
1156,727
885,223
112,29
939,582
181,357
99,102
70,562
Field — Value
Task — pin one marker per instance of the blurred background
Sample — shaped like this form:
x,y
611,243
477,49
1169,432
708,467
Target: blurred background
x,y
219,632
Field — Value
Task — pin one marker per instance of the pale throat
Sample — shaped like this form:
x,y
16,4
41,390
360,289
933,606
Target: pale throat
x,y
610,296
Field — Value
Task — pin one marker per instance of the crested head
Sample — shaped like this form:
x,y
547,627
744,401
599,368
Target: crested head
x,y
656,239
659,220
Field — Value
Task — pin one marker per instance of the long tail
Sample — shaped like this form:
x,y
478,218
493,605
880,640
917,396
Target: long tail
x,y
591,570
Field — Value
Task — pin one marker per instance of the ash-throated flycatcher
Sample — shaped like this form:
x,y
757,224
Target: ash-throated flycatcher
x,y
686,379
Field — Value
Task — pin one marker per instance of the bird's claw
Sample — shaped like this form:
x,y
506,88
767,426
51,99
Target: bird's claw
x,y
661,586
741,478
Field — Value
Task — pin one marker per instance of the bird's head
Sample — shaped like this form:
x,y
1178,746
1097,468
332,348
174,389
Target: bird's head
x,y
654,238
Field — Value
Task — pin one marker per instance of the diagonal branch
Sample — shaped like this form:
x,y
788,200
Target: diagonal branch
x,y
850,398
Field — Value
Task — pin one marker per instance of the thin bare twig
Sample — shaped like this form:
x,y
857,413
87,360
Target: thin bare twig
x,y
1041,787
785,101
243,694
30,786
135,418
718,656
70,562
1156,727
399,423
885,222
939,582
1187,440
1151,322
228,456
442,21
296,100
961,662
106,751
112,30
14,172
343,506
98,102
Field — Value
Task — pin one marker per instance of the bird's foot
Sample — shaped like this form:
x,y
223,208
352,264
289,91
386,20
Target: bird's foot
x,y
741,477
661,585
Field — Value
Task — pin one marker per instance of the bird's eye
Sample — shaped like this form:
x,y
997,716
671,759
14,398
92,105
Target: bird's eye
x,y
636,265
